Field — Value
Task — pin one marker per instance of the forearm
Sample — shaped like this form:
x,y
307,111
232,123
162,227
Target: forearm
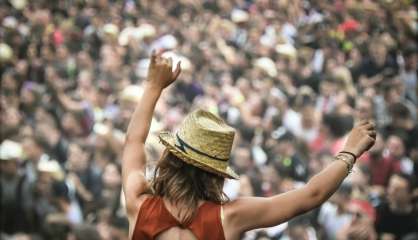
x,y
326,182
360,139
141,119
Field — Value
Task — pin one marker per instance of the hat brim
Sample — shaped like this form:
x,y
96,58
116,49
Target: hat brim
x,y
169,140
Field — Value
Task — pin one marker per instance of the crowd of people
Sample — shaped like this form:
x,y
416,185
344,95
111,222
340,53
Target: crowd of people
x,y
292,77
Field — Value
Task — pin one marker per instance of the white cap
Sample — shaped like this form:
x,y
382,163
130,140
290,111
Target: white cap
x,y
167,41
6,52
47,165
10,22
10,150
131,93
100,129
136,33
186,64
286,50
146,30
18,4
142,67
267,65
126,34
52,167
239,16
111,29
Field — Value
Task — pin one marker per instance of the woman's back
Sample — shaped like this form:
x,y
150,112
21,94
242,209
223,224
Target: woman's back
x,y
156,220
176,233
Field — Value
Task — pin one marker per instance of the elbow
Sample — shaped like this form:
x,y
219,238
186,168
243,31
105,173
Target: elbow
x,y
316,195
128,139
134,139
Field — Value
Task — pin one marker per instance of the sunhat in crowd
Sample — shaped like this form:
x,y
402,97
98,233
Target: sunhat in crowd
x,y
10,150
239,16
204,141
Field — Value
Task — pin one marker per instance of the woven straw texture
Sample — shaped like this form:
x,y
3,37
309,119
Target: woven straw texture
x,y
203,140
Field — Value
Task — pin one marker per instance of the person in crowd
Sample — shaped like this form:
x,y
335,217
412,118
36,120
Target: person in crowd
x,y
17,214
187,185
72,73
397,215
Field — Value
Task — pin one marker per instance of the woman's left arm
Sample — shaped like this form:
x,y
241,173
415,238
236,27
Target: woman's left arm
x,y
249,213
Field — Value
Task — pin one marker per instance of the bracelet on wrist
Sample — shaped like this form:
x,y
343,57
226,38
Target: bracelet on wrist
x,y
351,154
347,159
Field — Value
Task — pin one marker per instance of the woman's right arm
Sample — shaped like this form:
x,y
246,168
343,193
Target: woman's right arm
x,y
244,214
160,76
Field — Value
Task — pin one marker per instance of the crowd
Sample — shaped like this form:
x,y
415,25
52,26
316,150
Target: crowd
x,y
291,76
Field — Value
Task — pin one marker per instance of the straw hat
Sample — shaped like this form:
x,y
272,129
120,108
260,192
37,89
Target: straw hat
x,y
204,141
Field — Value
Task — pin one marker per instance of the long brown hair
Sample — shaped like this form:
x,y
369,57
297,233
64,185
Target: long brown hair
x,y
183,185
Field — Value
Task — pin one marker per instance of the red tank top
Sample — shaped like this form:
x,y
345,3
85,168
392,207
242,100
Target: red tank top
x,y
154,218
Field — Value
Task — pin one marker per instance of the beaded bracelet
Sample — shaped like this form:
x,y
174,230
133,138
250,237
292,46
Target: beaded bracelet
x,y
350,153
344,159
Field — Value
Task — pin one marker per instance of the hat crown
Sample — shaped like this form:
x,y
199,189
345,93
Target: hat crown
x,y
207,133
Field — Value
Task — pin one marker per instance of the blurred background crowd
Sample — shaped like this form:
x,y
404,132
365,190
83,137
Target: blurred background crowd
x,y
291,76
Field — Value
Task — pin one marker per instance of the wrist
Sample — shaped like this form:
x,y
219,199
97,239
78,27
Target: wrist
x,y
347,158
149,86
352,152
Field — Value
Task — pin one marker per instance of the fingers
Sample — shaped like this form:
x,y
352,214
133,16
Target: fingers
x,y
369,126
153,57
372,134
362,122
156,56
370,129
177,71
366,124
170,62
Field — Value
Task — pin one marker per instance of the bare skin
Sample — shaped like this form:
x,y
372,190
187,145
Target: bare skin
x,y
242,214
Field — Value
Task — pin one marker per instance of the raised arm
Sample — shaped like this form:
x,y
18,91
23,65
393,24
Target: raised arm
x,y
160,75
249,213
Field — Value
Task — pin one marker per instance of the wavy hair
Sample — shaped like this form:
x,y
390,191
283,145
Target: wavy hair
x,y
184,185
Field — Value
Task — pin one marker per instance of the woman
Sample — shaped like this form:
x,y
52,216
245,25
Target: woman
x,y
185,198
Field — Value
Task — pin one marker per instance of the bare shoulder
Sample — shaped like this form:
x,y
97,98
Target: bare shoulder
x,y
242,205
137,204
239,214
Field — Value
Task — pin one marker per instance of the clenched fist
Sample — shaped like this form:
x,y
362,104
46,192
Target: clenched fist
x,y
160,73
361,138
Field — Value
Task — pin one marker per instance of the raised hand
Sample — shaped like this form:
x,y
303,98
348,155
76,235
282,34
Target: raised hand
x,y
160,74
361,138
